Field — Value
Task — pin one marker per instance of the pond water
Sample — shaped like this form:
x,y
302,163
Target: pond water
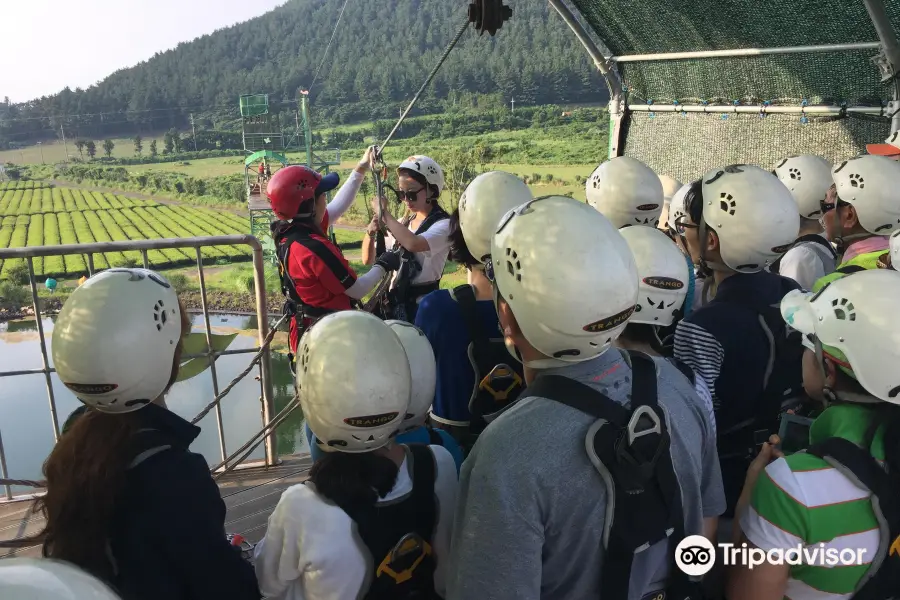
x,y
27,430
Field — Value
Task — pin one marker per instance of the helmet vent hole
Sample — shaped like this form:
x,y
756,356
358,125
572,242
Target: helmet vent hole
x,y
844,309
857,181
794,173
727,203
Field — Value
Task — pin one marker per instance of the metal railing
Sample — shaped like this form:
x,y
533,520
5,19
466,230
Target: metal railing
x,y
263,352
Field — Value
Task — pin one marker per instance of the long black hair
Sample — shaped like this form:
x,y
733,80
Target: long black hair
x,y
459,250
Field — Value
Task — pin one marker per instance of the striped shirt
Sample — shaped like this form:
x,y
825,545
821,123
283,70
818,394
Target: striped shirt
x,y
803,500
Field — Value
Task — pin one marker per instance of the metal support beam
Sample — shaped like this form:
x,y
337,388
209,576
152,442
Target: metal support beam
x,y
743,52
758,109
609,72
891,47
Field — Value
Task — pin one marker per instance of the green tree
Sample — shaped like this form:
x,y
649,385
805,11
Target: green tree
x,y
108,146
177,142
91,149
153,152
79,145
138,144
168,141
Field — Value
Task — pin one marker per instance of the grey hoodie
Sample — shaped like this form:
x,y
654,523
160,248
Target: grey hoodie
x,y
531,510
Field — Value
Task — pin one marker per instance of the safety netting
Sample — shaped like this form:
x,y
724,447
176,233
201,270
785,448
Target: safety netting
x,y
685,145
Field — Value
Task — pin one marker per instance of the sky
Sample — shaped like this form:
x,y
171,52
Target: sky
x,y
47,45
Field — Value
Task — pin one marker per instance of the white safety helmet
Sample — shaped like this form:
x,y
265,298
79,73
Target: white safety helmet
x,y
752,212
567,275
427,167
490,196
856,315
808,178
626,191
664,276
895,250
115,338
871,184
423,370
678,206
354,381
46,579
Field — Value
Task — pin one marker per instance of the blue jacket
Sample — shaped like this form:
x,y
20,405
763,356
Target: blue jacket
x,y
169,531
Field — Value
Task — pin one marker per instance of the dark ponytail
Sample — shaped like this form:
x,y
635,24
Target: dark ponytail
x,y
351,480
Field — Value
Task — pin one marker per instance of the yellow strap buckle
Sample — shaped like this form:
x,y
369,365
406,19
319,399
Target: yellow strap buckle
x,y
501,375
408,546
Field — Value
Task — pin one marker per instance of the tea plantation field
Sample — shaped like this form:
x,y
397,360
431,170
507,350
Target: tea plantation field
x,y
52,216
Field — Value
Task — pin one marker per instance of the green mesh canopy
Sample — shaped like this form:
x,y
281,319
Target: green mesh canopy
x,y
661,141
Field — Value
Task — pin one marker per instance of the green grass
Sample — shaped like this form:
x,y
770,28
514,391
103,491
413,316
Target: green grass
x,y
55,151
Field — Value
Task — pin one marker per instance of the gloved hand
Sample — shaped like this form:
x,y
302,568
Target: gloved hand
x,y
389,261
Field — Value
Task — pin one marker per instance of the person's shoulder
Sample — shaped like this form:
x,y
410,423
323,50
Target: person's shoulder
x,y
443,461
436,300
441,226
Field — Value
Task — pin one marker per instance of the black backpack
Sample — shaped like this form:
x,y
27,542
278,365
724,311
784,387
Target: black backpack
x,y
498,378
399,534
882,580
631,450
782,384
822,247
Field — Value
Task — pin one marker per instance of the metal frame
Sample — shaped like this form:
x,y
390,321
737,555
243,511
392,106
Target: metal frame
x,y
606,68
890,49
757,109
262,316
739,52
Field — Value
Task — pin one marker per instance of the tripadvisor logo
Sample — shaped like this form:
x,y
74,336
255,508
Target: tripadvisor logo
x,y
695,556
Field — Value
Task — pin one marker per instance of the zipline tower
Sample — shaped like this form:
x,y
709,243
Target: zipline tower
x,y
268,139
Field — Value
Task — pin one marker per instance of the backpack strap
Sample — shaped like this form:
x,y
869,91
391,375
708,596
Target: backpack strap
x,y
809,238
434,438
850,269
882,580
303,236
815,238
631,451
464,296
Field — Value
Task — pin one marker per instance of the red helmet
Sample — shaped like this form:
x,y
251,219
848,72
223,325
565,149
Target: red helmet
x,y
291,187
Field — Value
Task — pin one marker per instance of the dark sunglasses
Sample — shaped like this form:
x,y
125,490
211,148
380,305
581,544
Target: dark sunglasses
x,y
829,206
681,225
408,196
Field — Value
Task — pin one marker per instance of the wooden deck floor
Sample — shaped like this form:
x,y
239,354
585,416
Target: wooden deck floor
x,y
249,495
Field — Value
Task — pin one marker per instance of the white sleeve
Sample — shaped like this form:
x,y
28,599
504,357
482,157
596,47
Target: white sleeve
x,y
344,197
446,486
365,283
803,265
438,237
310,550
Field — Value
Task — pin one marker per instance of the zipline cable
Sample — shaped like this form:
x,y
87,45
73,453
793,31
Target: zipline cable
x,y
325,55
428,80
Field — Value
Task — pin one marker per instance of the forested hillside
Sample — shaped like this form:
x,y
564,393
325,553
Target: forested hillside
x,y
381,53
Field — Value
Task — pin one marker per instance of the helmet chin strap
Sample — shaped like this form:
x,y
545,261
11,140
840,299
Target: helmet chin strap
x,y
830,394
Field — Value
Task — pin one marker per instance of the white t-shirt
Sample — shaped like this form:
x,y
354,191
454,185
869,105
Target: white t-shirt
x,y
312,550
805,263
432,261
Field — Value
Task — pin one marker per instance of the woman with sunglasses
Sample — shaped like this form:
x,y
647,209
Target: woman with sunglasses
x,y
421,239
860,212
835,506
